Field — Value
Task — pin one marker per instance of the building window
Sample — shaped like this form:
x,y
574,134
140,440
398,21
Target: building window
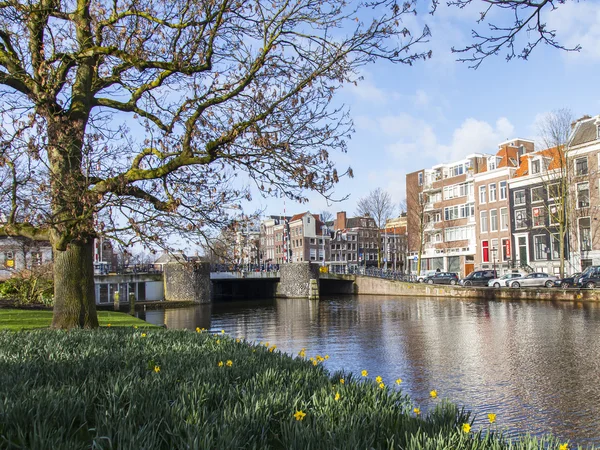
x,y
520,219
483,221
420,178
505,249
554,191
493,220
555,243
36,259
481,194
485,252
519,197
535,166
538,217
539,244
503,190
493,192
583,195
503,219
581,166
585,236
494,250
537,194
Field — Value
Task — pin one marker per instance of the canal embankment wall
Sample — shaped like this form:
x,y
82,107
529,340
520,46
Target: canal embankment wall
x,y
379,286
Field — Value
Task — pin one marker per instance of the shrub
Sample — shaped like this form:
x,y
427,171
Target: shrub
x,y
31,286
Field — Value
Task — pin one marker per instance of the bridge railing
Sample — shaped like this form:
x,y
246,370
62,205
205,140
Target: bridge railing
x,y
243,274
382,273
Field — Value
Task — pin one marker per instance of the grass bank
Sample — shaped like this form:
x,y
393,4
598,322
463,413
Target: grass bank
x,y
28,319
172,389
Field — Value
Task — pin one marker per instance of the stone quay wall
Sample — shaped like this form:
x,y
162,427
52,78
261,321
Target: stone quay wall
x,y
378,286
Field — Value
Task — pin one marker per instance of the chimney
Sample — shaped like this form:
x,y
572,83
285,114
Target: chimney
x,y
585,117
340,221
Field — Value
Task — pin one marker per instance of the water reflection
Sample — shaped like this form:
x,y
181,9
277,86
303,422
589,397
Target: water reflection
x,y
536,365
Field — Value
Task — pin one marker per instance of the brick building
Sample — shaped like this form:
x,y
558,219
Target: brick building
x,y
367,239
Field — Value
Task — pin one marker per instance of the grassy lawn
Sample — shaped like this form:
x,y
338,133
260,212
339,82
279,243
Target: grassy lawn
x,y
21,319
122,388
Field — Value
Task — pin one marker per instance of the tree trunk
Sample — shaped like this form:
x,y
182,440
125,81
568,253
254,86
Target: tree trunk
x,y
74,298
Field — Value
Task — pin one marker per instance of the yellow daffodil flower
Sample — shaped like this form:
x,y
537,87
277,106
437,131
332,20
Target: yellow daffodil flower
x,y
108,324
379,379
466,428
197,329
337,396
433,394
272,349
135,327
229,363
326,356
563,447
342,381
218,341
364,373
266,344
220,364
222,331
156,369
315,363
492,417
417,411
237,340
143,334
299,415
381,385
398,381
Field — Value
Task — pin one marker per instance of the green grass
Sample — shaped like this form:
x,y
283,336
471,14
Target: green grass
x,y
21,319
164,389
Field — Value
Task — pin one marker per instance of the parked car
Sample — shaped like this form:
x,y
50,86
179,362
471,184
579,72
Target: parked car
x,y
500,282
568,282
479,278
590,277
533,279
425,274
442,278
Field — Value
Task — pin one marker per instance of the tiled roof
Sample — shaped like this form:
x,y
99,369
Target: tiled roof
x,y
585,131
554,153
393,230
508,156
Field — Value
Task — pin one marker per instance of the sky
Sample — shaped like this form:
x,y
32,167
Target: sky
x,y
437,111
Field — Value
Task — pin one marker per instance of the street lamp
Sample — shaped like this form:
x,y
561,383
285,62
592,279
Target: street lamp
x,y
323,232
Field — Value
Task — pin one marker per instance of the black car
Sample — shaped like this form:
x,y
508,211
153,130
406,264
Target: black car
x,y
442,278
590,278
479,278
568,282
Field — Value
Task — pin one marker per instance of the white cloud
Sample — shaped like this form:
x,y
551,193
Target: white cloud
x,y
578,23
421,99
367,91
417,140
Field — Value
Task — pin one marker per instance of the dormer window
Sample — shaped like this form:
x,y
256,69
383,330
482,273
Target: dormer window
x,y
535,166
493,163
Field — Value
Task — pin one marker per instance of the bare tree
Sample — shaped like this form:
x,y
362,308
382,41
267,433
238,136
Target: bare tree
x,y
512,19
326,216
132,119
557,177
378,205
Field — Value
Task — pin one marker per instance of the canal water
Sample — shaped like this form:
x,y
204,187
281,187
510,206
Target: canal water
x,y
536,365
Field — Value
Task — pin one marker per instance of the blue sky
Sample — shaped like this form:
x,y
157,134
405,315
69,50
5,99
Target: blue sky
x,y
407,118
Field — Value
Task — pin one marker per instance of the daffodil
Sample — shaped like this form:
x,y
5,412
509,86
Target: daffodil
x,y
433,394
398,381
381,385
197,329
222,331
237,340
379,379
108,324
266,344
466,428
156,369
342,381
337,396
315,363
220,364
135,327
417,411
326,356
229,363
299,415
563,447
218,341
272,349
364,373
492,417
143,334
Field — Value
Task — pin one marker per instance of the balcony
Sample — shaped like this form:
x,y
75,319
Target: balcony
x,y
429,187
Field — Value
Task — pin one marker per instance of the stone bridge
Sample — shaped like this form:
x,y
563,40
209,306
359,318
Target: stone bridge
x,y
184,282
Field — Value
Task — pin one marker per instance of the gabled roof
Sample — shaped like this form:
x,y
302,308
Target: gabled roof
x,y
585,131
301,215
508,156
554,154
